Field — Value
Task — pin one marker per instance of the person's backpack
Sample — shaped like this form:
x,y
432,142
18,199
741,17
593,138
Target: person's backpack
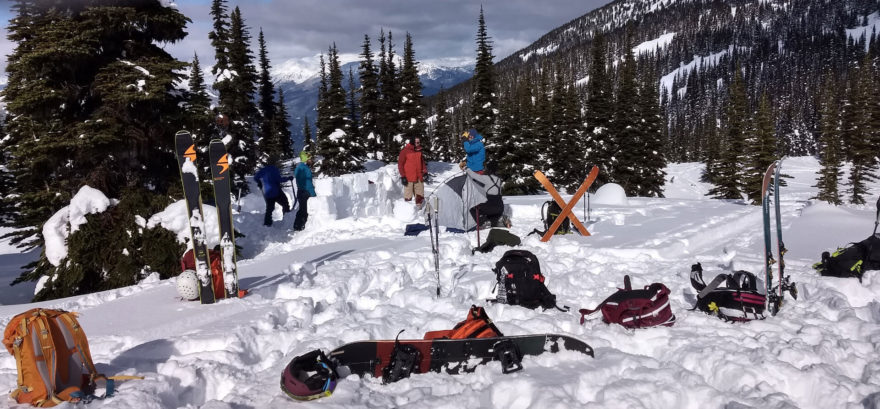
x,y
188,262
476,325
648,307
520,282
52,359
731,297
549,212
852,260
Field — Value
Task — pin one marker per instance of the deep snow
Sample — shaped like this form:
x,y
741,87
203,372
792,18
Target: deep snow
x,y
352,275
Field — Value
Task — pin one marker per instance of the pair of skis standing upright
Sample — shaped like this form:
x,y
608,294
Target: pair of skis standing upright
x,y
775,293
189,176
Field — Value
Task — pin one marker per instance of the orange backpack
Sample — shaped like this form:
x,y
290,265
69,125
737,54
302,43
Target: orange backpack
x,y
477,325
53,359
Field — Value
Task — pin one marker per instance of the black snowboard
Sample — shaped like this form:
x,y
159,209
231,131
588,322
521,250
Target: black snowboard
x,y
452,356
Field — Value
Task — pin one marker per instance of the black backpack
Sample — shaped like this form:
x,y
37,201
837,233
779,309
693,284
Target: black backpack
x,y
852,260
549,216
731,297
520,282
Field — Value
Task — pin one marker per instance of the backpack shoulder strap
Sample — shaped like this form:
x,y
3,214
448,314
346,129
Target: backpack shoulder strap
x,y
49,355
720,278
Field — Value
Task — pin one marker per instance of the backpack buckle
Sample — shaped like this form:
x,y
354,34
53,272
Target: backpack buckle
x,y
508,354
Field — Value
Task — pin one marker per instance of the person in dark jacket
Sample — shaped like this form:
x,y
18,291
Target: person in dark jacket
x,y
475,150
304,190
493,207
412,167
269,180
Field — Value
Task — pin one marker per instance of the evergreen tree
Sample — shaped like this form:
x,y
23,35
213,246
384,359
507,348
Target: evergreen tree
x,y
625,128
352,128
760,150
829,146
219,37
517,141
236,87
711,149
308,141
567,133
412,117
443,137
652,169
390,106
271,147
369,101
104,105
199,118
281,126
484,87
728,180
857,134
334,144
599,111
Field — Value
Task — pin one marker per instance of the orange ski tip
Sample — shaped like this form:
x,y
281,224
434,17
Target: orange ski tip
x,y
223,163
190,153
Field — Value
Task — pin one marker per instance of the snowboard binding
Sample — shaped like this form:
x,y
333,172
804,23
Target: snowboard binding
x,y
404,360
509,356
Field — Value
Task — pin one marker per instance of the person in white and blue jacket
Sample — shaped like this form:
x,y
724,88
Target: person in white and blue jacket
x,y
304,190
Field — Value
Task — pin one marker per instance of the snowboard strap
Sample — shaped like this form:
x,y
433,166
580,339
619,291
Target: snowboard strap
x,y
404,360
508,354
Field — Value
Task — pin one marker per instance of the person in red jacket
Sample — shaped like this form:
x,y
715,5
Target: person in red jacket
x,y
412,167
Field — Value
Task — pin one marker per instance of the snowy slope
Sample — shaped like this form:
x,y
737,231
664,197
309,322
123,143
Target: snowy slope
x,y
353,275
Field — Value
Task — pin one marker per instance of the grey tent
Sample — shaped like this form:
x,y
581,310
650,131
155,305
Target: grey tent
x,y
456,196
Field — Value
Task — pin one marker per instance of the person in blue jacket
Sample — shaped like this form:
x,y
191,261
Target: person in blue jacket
x,y
304,190
269,180
476,152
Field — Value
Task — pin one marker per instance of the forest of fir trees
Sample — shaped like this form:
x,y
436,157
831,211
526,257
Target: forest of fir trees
x,y
79,121
547,122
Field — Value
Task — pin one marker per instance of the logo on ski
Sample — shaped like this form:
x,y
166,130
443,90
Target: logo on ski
x,y
223,163
190,153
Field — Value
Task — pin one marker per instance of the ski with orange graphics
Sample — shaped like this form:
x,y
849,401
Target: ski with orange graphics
x,y
223,199
189,177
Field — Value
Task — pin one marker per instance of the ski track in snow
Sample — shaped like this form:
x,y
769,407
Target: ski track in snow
x,y
359,278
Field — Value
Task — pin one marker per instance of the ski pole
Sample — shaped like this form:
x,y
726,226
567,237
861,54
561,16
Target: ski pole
x,y
238,201
477,212
877,217
293,192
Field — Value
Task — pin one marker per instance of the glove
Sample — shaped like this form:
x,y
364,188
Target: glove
x,y
403,180
462,165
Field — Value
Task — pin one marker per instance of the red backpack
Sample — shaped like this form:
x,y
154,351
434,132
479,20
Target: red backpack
x,y
644,308
188,262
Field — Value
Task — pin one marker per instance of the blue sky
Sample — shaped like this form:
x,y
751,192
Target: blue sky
x,y
442,30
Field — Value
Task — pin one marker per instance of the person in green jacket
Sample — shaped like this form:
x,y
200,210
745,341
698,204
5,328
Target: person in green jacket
x,y
304,190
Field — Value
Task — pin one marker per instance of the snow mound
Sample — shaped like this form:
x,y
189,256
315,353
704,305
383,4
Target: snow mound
x,y
68,220
405,211
610,194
